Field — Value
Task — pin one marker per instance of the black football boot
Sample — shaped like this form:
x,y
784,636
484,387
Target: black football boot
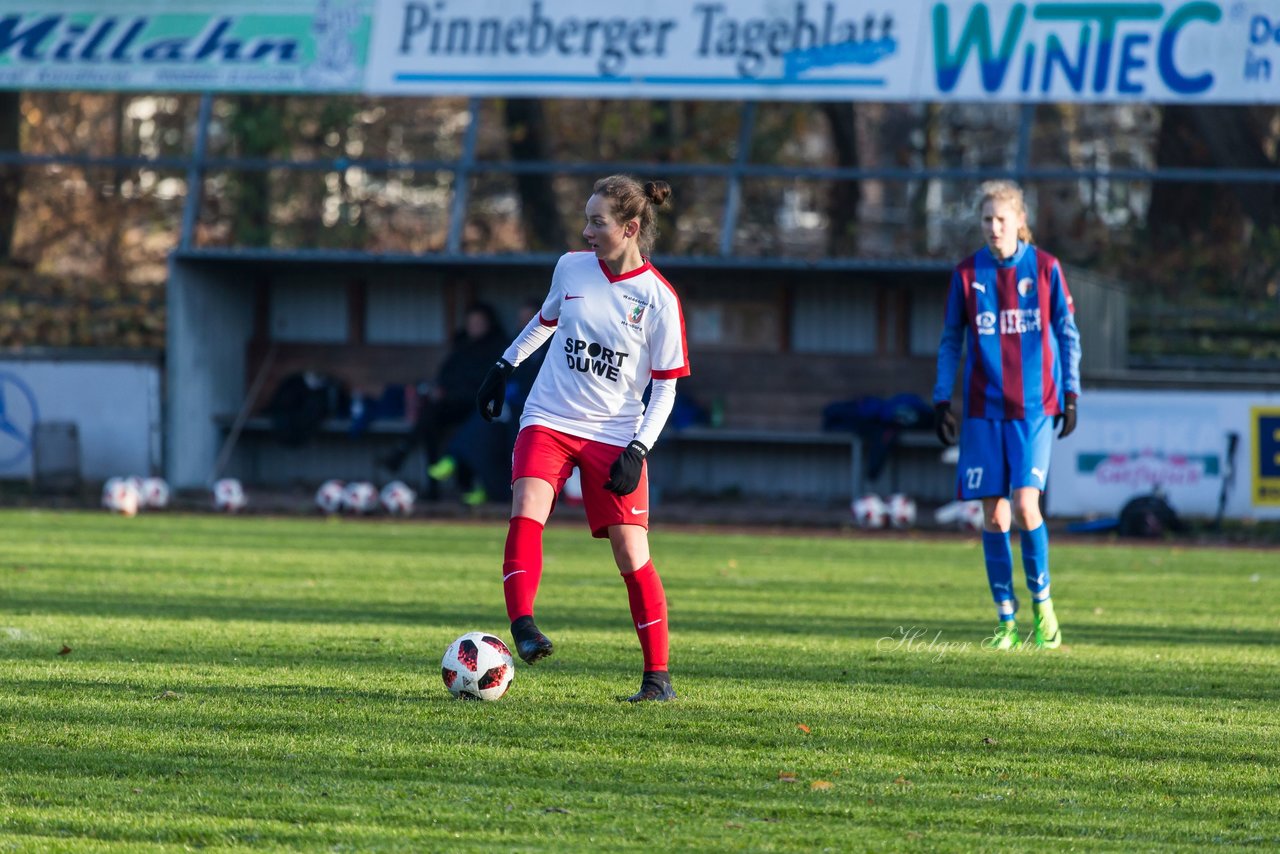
x,y
531,644
655,686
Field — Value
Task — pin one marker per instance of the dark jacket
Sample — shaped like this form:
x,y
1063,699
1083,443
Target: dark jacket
x,y
470,359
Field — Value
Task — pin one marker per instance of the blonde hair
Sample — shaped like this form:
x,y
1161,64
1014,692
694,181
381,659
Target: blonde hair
x,y
1007,191
633,201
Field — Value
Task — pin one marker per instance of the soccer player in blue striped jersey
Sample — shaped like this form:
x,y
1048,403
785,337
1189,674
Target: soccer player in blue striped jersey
x,y
1021,381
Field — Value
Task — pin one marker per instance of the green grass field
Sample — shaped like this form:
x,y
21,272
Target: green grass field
x,y
274,683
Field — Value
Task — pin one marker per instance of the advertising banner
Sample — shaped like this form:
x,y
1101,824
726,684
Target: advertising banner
x,y
1181,443
1264,423
1192,51
1059,50
837,49
1195,51
196,45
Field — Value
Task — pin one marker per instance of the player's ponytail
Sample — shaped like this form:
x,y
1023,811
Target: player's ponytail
x,y
657,192
633,201
1007,191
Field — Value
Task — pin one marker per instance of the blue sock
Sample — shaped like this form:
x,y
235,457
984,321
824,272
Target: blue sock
x,y
999,555
1035,561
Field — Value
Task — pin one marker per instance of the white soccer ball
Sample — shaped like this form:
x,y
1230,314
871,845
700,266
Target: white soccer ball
x,y
120,495
971,516
228,495
108,490
397,498
136,482
330,496
477,666
360,497
870,512
155,493
901,510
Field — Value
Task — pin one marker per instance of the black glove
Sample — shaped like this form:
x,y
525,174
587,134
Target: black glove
x,y
493,390
624,474
945,423
1067,418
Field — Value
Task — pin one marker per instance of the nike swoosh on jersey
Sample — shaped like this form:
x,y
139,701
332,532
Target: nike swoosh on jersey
x,y
979,287
636,511
567,297
648,624
509,575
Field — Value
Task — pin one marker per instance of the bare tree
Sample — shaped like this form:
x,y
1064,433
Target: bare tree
x,y
259,131
1222,227
842,202
528,131
10,174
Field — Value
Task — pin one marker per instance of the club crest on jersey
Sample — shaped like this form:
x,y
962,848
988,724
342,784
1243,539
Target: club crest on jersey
x,y
1025,286
633,315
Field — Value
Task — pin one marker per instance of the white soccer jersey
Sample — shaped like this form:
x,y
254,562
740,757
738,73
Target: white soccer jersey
x,y
612,335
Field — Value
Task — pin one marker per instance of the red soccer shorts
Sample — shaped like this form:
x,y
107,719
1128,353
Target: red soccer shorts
x,y
551,455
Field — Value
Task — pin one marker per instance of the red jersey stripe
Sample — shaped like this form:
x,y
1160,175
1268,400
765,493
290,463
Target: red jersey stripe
x,y
604,268
684,339
1015,406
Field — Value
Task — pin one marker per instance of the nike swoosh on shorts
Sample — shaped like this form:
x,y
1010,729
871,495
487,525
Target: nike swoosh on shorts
x,y
636,511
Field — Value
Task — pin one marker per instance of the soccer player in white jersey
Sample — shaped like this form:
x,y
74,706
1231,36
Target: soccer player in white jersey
x,y
614,324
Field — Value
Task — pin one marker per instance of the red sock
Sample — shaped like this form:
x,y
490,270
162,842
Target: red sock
x,y
649,613
522,566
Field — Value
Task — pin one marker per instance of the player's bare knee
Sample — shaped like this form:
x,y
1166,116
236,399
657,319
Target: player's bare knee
x,y
627,558
1027,516
995,514
629,552
532,498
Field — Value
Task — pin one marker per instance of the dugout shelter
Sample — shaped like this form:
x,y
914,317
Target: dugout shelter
x,y
773,340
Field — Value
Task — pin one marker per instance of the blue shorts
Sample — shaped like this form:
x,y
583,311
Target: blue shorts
x,y
997,457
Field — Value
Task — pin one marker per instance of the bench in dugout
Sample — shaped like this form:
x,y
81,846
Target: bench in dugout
x,y
262,447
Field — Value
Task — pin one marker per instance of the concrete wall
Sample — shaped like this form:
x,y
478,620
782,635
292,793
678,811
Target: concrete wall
x,y
112,398
210,320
